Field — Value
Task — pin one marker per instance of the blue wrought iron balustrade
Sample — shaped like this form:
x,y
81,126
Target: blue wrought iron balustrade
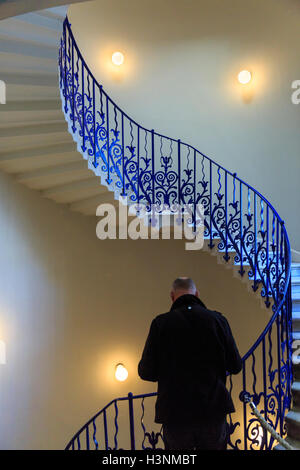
x,y
101,434
150,168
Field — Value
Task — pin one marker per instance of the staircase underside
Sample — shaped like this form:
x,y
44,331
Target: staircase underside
x,y
36,146
10,8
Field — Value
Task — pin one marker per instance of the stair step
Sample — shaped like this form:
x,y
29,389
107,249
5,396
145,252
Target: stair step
x,y
30,159
57,13
42,20
229,251
32,130
33,117
18,63
29,49
296,297
30,111
293,442
295,307
296,394
31,106
31,92
295,270
73,192
295,285
13,78
33,152
17,28
26,141
294,415
296,321
293,423
89,205
296,370
52,176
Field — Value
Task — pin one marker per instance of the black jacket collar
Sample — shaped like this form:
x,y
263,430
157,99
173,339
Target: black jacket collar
x,y
187,299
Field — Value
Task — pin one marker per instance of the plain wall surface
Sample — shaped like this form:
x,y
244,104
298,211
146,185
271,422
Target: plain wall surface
x,y
72,307
180,78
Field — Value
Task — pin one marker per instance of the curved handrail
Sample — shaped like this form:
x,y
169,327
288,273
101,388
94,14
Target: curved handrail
x,y
99,413
68,25
133,161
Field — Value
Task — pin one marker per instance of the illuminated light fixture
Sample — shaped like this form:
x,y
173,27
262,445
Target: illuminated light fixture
x,y
2,353
244,77
121,372
117,58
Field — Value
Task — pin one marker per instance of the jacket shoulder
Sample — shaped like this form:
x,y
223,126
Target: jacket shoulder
x,y
160,318
218,317
213,313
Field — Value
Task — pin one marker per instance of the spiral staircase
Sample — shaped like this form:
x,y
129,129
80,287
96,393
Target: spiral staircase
x,y
35,144
62,135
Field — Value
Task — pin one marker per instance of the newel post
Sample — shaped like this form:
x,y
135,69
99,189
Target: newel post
x,y
131,421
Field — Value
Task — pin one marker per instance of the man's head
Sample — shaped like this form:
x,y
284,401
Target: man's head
x,y
182,286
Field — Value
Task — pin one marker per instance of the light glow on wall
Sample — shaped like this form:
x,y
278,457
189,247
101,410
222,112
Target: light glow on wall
x,y
2,352
121,372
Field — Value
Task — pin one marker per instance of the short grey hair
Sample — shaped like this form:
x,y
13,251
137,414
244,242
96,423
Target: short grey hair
x,y
184,284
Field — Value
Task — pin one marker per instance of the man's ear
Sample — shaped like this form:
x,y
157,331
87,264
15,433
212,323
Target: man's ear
x,y
197,294
172,295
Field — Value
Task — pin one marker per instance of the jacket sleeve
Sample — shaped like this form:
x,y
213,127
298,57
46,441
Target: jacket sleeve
x,y
148,365
233,360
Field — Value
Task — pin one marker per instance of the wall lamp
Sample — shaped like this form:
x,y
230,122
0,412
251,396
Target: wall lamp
x,y
121,373
244,77
117,58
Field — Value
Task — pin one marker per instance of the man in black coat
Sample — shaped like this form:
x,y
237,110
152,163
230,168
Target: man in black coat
x,y
188,352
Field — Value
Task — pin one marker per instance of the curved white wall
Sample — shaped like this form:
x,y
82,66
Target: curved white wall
x,y
179,77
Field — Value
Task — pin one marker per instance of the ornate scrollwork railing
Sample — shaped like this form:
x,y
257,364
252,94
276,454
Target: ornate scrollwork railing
x,y
100,432
156,170
245,398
